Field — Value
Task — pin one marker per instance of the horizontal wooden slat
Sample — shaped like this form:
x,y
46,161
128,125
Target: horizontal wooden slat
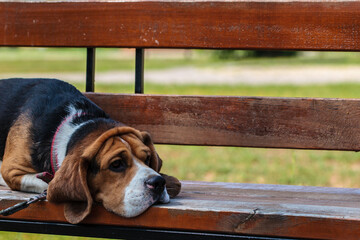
x,y
272,210
303,123
303,24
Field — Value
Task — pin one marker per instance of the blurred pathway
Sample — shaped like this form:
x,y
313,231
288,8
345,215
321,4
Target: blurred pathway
x,y
297,75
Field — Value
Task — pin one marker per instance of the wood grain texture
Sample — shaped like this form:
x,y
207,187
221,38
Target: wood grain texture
x,y
303,123
302,25
272,210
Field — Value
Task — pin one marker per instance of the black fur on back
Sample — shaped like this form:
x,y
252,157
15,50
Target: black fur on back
x,y
46,102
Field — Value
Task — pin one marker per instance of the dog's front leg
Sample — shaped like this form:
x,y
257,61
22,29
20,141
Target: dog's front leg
x,y
21,178
17,169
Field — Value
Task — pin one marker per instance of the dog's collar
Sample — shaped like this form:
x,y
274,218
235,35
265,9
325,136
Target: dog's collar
x,y
54,155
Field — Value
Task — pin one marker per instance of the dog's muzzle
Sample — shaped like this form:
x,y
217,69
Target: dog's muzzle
x,y
156,184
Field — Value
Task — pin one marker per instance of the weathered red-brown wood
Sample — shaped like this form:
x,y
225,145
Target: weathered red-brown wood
x,y
302,25
304,123
271,210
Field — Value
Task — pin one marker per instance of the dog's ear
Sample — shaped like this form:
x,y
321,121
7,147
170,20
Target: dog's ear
x,y
173,185
95,147
70,187
155,161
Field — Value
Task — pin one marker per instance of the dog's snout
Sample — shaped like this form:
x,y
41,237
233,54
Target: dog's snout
x,y
156,184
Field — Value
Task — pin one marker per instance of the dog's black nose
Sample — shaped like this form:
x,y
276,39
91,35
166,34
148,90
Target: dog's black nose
x,y
156,184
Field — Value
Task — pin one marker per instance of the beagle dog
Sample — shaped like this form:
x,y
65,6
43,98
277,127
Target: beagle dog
x,y
54,138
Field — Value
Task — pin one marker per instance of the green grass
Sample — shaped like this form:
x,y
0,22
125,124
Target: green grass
x,y
340,90
29,60
45,60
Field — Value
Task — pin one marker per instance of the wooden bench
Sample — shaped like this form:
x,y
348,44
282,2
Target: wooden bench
x,y
206,210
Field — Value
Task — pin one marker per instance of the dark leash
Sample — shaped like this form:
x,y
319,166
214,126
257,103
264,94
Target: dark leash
x,y
22,205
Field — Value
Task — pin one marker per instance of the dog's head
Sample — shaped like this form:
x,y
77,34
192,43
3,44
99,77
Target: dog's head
x,y
120,169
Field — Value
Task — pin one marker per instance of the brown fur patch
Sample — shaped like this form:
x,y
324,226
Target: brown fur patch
x,y
108,186
142,147
138,148
17,154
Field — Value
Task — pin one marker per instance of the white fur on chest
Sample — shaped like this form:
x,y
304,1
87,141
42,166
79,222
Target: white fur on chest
x,y
64,133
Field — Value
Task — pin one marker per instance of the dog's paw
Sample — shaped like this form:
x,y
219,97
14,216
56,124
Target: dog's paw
x,y
173,185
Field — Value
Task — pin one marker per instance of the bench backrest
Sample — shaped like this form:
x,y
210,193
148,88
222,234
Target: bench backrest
x,y
199,120
241,24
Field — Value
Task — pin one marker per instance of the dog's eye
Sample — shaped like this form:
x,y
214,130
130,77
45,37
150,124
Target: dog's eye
x,y
147,160
118,166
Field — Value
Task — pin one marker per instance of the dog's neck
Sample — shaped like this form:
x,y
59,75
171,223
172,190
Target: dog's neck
x,y
63,135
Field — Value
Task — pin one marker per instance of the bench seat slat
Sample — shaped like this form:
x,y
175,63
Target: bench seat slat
x,y
272,210
303,123
300,25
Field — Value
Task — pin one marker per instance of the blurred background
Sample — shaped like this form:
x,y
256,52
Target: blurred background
x,y
215,72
